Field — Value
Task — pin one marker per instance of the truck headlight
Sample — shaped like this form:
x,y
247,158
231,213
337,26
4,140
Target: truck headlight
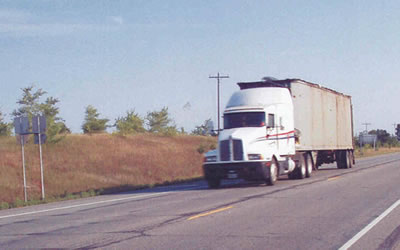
x,y
255,157
210,158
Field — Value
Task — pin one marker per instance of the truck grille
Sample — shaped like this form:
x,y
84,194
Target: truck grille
x,y
225,150
237,150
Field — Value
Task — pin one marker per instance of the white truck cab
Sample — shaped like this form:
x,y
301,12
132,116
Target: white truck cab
x,y
259,139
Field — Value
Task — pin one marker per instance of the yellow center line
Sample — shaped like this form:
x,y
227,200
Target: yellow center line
x,y
208,213
334,178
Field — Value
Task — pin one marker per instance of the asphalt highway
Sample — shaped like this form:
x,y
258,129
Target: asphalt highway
x,y
356,208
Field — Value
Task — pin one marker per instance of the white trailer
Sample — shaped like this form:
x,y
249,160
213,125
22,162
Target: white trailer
x,y
277,127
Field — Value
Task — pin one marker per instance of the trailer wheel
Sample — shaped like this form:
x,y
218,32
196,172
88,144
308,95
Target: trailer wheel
x,y
213,182
340,161
309,165
349,159
344,159
272,173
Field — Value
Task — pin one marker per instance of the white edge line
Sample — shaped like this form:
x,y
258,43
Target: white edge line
x,y
83,205
369,226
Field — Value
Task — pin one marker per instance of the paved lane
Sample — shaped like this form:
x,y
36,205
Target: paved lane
x,y
323,212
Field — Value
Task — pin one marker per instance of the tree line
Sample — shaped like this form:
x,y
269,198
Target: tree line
x,y
31,104
383,138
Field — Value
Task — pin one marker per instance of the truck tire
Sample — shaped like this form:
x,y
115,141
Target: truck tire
x,y
344,159
301,168
351,158
272,173
339,159
309,165
213,182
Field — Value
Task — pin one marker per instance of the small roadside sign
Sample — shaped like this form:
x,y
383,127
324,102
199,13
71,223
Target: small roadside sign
x,y
43,138
38,124
22,132
21,125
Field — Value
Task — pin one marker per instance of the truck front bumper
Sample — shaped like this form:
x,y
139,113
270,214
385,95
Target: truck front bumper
x,y
236,170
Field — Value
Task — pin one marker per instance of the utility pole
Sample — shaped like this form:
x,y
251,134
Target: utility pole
x,y
218,77
366,126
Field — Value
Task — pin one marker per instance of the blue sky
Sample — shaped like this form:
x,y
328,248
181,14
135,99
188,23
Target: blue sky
x,y
144,55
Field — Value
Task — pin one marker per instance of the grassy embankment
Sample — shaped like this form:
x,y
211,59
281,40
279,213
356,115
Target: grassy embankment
x,y
368,151
83,165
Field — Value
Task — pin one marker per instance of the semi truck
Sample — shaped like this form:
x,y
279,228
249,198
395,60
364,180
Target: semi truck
x,y
281,127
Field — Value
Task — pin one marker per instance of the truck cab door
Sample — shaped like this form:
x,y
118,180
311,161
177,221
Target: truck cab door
x,y
272,131
285,131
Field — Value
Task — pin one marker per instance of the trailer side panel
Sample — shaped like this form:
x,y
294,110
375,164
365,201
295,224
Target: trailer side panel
x,y
322,116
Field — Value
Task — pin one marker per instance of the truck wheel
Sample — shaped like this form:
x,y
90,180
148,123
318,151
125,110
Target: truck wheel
x,y
339,159
272,173
350,158
214,182
301,168
345,158
309,165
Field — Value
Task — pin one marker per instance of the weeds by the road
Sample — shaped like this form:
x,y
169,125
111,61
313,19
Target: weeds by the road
x,y
368,151
83,166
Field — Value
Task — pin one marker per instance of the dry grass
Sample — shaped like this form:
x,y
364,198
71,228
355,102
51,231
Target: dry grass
x,y
366,152
81,163
106,162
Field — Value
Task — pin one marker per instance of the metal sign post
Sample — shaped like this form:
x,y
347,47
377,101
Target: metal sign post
x,y
21,125
38,127
41,159
41,166
23,167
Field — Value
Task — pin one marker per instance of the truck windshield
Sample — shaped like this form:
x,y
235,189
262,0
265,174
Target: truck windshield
x,y
248,119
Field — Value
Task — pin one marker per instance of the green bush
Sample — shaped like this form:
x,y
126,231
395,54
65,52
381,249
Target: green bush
x,y
18,203
4,205
132,123
85,194
92,192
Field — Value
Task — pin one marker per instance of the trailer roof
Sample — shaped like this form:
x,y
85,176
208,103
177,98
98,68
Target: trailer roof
x,y
283,84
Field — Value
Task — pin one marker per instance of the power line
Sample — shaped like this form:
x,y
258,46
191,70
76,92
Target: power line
x,y
366,126
218,77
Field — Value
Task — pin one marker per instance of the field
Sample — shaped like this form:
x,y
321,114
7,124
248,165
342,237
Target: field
x,y
83,165
368,151
99,164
